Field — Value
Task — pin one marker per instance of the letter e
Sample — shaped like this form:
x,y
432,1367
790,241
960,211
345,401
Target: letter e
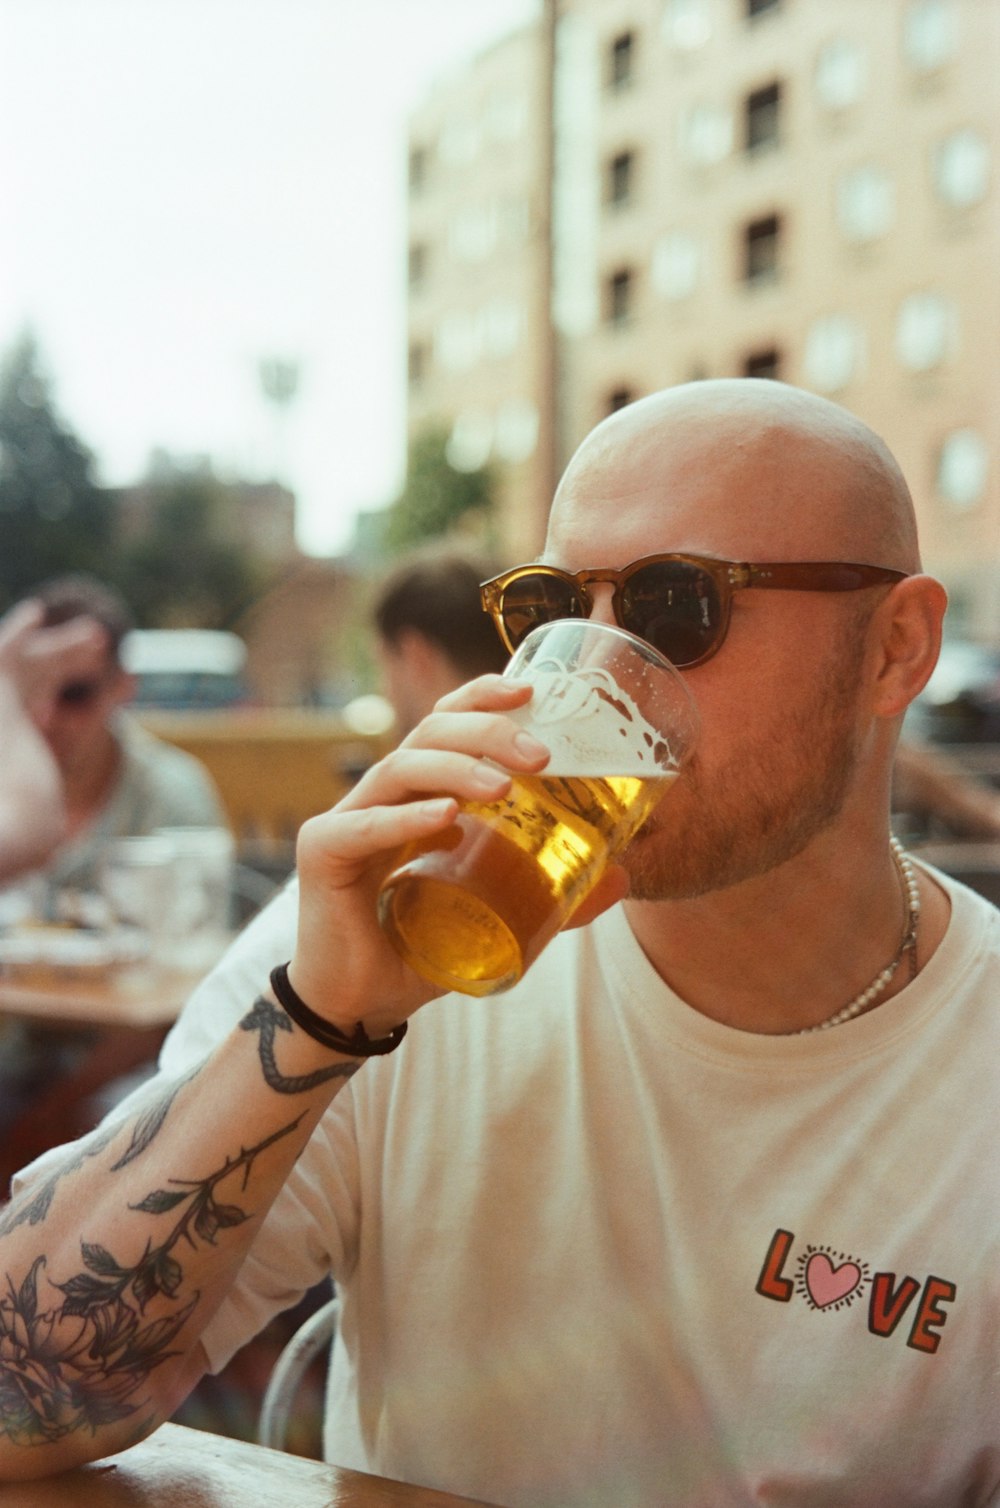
x,y
929,1315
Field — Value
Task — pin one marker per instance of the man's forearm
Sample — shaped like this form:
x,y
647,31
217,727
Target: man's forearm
x,y
111,1266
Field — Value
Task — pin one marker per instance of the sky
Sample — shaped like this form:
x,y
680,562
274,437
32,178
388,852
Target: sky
x,y
188,187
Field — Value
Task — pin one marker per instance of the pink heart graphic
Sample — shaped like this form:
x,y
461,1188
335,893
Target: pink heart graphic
x,y
826,1283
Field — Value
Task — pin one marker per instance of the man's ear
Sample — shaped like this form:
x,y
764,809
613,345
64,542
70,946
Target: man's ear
x,y
907,637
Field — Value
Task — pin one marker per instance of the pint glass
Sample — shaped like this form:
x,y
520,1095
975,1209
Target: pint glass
x,y
471,907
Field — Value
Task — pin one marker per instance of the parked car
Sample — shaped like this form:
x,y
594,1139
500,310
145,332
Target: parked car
x,y
186,668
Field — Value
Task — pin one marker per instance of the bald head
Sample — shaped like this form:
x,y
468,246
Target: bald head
x,y
790,474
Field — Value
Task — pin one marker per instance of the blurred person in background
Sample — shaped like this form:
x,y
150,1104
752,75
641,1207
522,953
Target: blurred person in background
x,y
35,662
932,785
118,780
432,632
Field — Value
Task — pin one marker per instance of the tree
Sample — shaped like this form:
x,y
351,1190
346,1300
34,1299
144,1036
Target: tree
x,y
435,495
53,516
184,569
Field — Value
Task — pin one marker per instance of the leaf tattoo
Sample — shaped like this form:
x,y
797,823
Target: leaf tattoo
x,y
31,1209
149,1123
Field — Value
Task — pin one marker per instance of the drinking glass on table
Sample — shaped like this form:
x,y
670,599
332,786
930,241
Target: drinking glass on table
x,y
204,863
471,908
139,881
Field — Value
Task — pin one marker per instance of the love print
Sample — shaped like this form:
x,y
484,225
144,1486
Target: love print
x,y
826,1284
828,1281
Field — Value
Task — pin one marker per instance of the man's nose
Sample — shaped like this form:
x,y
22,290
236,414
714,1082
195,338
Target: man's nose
x,y
601,593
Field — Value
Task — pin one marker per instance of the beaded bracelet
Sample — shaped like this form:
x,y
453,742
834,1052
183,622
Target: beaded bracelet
x,y
357,1045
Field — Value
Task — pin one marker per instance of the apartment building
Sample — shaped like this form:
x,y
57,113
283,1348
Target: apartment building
x,y
478,276
798,190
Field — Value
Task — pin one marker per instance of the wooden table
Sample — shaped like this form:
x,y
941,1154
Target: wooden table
x,y
187,1468
135,996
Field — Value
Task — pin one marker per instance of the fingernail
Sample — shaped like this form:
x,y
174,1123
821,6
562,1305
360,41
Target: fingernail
x,y
530,747
489,778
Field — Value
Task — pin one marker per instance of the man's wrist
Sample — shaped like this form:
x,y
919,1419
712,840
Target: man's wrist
x,y
355,1044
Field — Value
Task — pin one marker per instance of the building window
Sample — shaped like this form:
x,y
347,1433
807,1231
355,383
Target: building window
x,y
619,397
473,231
866,203
930,33
762,250
763,363
419,162
762,118
470,442
754,8
961,168
621,61
962,469
417,265
925,331
621,178
675,266
841,71
686,24
834,353
705,133
458,341
501,324
620,296
517,425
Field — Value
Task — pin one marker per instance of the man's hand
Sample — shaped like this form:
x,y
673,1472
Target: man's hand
x,y
36,662
343,965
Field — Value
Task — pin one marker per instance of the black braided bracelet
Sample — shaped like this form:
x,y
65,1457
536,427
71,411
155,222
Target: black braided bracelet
x,y
357,1045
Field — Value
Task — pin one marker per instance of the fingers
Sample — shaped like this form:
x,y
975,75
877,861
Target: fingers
x,y
15,628
38,659
461,749
486,691
352,837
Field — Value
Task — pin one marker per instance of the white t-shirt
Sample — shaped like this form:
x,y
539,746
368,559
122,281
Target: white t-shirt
x,y
598,1251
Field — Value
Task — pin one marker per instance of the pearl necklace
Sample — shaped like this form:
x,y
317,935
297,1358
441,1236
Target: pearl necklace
x,y
911,898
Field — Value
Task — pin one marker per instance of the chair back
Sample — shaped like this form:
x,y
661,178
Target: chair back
x,y
313,1337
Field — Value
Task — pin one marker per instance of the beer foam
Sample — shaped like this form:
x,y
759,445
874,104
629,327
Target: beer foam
x,y
593,726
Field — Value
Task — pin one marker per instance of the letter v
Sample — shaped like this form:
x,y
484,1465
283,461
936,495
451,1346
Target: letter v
x,y
888,1305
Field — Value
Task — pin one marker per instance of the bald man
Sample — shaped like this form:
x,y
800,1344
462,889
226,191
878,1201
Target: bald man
x,y
703,1212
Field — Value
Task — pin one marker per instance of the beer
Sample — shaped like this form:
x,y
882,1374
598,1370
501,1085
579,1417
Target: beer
x,y
473,906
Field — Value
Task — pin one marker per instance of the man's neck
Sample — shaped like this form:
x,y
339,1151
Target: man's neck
x,y
786,950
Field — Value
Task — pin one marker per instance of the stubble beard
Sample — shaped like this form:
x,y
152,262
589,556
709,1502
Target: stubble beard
x,y
764,804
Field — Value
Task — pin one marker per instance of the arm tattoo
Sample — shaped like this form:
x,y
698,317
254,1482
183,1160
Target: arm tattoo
x,y
268,1020
32,1208
150,1121
82,1363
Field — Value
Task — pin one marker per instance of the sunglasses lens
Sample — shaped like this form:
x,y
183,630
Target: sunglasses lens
x,y
535,599
78,693
674,606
